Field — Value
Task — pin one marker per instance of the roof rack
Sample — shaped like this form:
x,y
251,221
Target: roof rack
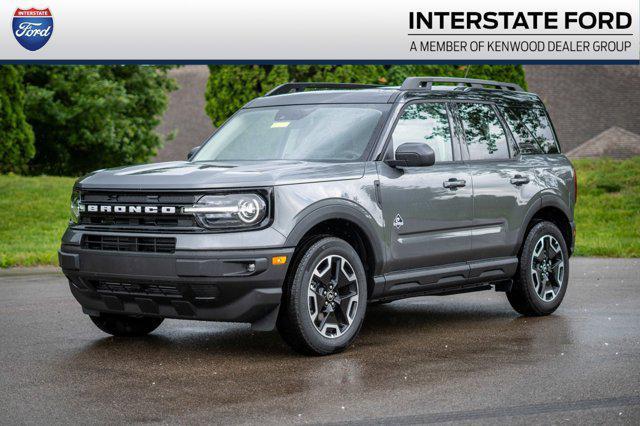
x,y
425,83
301,87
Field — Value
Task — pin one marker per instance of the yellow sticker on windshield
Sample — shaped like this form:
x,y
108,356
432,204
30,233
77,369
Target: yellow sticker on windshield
x,y
280,124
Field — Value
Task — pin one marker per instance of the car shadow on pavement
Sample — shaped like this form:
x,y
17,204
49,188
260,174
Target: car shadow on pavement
x,y
185,364
424,325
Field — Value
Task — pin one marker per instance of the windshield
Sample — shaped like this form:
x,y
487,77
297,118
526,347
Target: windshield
x,y
296,132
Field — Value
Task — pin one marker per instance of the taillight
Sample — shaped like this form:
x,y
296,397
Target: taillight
x,y
575,184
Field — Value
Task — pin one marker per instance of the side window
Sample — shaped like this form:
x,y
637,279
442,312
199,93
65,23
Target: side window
x,y
531,129
427,123
483,132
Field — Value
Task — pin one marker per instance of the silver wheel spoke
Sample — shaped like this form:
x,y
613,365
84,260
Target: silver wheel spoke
x,y
538,251
559,273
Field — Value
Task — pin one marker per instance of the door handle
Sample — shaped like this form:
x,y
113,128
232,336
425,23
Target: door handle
x,y
519,180
454,183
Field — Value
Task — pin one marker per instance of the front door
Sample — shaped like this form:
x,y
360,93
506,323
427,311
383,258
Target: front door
x,y
428,210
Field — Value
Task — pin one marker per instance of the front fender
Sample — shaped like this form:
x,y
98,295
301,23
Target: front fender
x,y
345,210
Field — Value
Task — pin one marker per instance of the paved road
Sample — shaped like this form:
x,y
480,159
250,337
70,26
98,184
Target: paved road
x,y
463,359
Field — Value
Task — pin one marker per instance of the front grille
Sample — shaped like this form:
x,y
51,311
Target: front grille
x,y
136,222
140,222
197,292
169,198
135,289
131,244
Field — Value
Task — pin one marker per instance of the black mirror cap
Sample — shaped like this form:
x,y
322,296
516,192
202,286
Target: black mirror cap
x,y
414,155
192,153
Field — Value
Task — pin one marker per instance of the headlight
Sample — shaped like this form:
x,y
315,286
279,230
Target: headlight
x,y
229,211
74,214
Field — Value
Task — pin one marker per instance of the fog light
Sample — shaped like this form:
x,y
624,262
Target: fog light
x,y
251,267
279,260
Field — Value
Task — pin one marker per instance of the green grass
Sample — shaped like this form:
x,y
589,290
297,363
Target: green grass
x,y
34,213
608,210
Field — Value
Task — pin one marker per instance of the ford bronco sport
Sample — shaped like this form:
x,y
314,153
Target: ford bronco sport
x,y
306,205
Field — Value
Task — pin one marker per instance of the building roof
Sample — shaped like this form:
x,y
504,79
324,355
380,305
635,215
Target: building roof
x,y
614,142
585,100
185,115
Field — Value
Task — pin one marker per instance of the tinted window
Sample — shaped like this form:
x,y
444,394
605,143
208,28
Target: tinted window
x,y
531,129
304,132
483,132
427,123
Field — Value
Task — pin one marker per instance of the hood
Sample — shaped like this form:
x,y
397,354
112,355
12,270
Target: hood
x,y
205,175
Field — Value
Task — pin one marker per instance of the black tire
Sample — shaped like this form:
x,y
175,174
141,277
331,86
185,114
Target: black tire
x,y
295,322
126,326
523,296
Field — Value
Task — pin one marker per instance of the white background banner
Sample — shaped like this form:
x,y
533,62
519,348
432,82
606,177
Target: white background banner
x,y
330,30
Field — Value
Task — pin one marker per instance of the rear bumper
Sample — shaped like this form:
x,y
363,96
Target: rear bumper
x,y
233,286
573,237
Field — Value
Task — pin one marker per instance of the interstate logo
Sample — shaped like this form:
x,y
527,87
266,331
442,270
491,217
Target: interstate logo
x,y
32,27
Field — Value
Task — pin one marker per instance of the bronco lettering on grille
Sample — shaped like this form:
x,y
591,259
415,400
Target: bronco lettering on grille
x,y
123,209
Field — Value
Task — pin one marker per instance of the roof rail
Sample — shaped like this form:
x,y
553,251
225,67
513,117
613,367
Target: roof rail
x,y
301,87
425,83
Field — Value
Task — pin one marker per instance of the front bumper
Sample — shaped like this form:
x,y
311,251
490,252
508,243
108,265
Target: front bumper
x,y
233,286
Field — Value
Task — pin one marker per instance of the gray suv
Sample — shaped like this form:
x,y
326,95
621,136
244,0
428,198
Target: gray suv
x,y
318,199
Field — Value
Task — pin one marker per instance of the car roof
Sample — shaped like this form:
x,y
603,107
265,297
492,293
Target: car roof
x,y
392,94
358,96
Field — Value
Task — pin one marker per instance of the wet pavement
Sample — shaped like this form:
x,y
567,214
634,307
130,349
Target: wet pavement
x,y
459,359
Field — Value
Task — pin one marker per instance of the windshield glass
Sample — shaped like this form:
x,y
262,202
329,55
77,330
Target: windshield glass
x,y
296,132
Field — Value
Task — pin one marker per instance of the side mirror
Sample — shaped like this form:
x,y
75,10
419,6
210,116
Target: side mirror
x,y
192,153
413,155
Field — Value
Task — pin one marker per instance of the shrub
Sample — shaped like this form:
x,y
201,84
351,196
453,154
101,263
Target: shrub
x,y
16,136
90,117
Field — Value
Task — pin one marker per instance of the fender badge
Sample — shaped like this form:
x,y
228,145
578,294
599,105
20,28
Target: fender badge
x,y
398,222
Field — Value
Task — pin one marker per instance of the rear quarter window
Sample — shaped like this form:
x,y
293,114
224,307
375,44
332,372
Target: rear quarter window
x,y
531,129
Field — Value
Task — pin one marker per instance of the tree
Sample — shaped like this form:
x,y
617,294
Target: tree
x,y
90,117
16,136
231,86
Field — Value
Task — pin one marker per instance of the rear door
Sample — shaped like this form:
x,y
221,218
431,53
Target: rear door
x,y
502,183
428,210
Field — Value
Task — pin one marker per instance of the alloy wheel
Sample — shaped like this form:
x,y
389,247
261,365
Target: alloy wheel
x,y
547,268
333,296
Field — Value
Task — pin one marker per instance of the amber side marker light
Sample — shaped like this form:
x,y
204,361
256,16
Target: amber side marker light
x,y
279,260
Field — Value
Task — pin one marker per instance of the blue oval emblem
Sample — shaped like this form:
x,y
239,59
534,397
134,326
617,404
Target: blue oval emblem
x,y
33,27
